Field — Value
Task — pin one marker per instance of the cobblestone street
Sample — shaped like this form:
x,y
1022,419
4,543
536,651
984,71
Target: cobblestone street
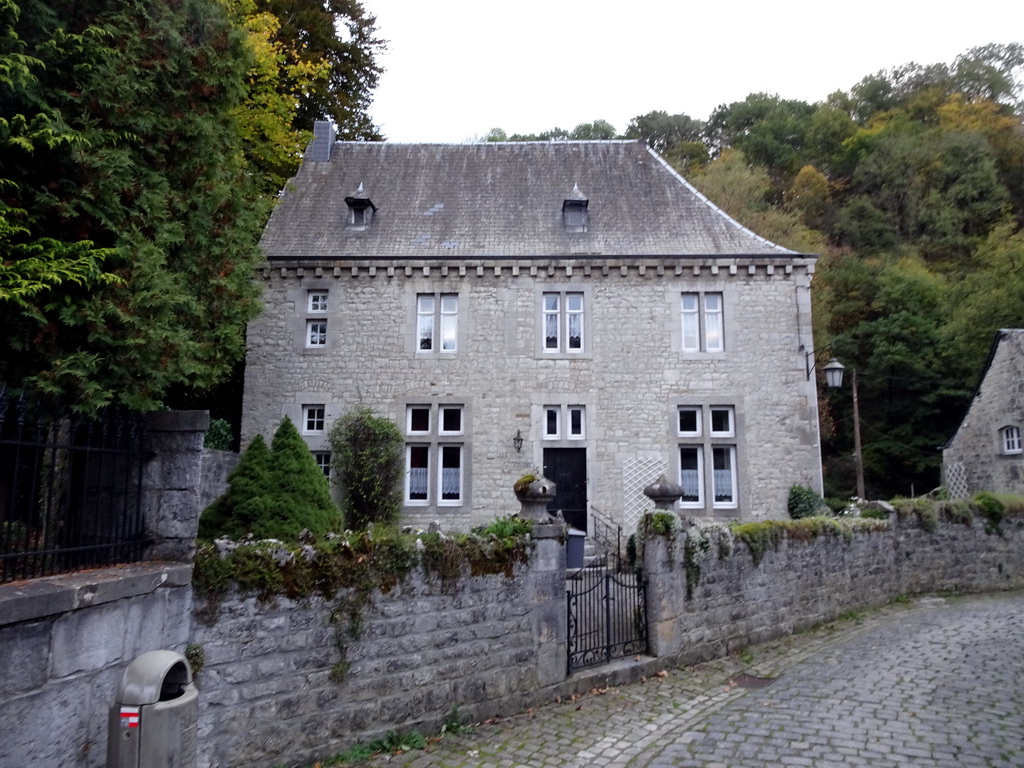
x,y
935,682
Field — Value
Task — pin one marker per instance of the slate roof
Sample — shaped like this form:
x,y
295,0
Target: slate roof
x,y
500,200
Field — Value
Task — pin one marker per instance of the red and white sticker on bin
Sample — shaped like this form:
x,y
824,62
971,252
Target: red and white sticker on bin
x,y
129,717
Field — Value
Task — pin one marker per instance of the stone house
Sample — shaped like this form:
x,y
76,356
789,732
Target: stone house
x,y
985,453
572,308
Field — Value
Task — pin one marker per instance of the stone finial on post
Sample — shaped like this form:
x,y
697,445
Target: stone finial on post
x,y
535,492
665,494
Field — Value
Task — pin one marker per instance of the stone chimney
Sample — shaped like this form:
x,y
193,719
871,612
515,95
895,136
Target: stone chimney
x,y
323,140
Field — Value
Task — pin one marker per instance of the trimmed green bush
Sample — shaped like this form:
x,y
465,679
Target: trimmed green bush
x,y
368,459
804,502
219,436
273,494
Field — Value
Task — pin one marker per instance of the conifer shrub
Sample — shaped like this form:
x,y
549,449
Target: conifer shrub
x,y
273,493
367,457
804,502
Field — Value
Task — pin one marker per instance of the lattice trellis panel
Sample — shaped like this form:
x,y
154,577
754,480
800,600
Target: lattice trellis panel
x,y
956,481
637,473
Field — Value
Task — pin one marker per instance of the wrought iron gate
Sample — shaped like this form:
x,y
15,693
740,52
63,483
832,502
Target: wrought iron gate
x,y
607,615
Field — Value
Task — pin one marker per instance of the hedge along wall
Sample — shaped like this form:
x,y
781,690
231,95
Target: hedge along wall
x,y
811,577
270,691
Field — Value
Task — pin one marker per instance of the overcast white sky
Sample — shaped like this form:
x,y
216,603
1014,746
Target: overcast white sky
x,y
457,68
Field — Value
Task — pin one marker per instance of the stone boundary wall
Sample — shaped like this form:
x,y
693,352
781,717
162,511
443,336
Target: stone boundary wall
x,y
487,645
735,604
66,642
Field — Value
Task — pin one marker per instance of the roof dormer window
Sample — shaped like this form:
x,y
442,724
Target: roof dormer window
x,y
574,211
360,209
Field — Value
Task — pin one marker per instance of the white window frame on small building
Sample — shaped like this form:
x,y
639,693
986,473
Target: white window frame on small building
x,y
1010,440
702,321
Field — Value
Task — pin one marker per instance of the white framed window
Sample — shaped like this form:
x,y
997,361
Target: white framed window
x,y
435,433
701,429
316,333
316,301
417,474
690,421
437,322
723,475
450,421
323,461
1010,438
450,481
552,422
722,421
703,322
691,475
577,422
313,418
417,420
563,322
568,422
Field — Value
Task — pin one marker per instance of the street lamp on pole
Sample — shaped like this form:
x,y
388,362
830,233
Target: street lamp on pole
x,y
834,378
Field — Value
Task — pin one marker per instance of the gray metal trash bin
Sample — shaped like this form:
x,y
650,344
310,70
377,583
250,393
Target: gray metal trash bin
x,y
574,549
153,720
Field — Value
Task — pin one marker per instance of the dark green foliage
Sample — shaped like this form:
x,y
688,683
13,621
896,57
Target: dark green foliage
x,y
275,493
367,457
137,218
218,436
663,131
345,96
804,502
251,479
992,509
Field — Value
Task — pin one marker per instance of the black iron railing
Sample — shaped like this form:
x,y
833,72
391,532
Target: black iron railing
x,y
608,535
70,488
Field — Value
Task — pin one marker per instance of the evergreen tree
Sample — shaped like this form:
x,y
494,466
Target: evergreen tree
x,y
251,478
147,192
273,494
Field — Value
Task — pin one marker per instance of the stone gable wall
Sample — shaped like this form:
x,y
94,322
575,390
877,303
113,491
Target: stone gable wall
x,y
998,403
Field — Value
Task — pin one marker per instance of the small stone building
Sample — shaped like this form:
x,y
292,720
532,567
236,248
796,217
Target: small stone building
x,y
986,452
571,308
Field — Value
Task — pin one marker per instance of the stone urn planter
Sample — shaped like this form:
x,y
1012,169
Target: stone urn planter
x,y
535,492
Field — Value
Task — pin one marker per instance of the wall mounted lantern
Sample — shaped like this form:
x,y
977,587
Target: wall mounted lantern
x,y
517,441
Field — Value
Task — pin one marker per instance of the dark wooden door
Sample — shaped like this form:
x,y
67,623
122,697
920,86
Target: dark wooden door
x,y
567,468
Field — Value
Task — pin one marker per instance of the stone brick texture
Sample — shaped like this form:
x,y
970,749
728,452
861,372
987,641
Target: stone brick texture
x,y
483,645
998,402
631,376
736,604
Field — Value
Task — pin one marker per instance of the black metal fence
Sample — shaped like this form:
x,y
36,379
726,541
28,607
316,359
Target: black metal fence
x,y
607,615
70,488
